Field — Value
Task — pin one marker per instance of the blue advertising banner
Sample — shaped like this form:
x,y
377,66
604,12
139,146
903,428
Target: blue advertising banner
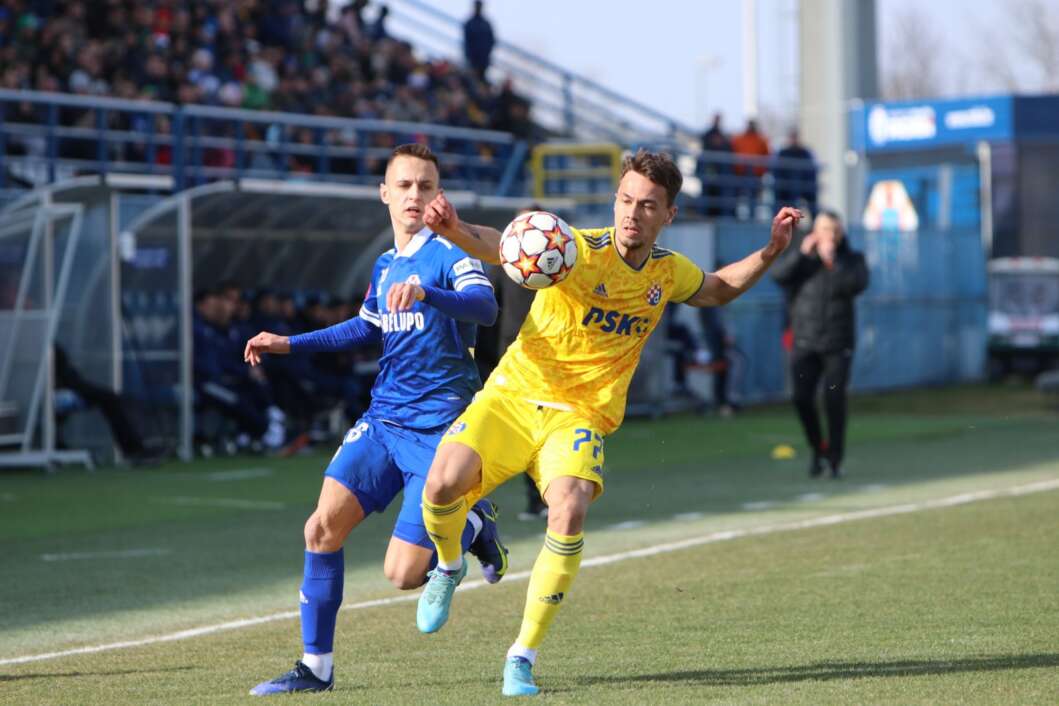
x,y
877,127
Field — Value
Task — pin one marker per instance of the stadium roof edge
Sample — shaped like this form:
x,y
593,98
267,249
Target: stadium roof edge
x,y
117,180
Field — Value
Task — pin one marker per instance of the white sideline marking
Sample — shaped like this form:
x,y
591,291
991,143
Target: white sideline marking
x,y
760,505
626,525
239,474
713,537
116,554
234,503
688,516
810,497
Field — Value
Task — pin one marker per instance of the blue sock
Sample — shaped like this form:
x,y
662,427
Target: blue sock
x,y
321,595
465,541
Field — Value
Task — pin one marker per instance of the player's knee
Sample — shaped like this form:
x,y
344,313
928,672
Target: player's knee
x,y
440,487
567,511
451,475
321,535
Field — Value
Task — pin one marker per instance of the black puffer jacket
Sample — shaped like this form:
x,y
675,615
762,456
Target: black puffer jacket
x,y
821,300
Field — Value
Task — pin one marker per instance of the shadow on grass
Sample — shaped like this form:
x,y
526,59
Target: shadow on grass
x,y
831,671
66,675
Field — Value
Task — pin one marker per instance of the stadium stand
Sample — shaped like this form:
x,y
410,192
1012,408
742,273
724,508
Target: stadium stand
x,y
256,55
210,142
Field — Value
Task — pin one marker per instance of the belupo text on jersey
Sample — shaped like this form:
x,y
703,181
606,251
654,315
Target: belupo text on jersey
x,y
610,321
398,321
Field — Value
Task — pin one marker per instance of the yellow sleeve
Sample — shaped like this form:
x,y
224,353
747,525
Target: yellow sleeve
x,y
687,278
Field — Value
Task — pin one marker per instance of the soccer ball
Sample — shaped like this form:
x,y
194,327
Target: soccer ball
x,y
537,250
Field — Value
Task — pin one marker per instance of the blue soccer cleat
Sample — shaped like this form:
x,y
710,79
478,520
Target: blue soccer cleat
x,y
298,680
434,602
518,678
487,547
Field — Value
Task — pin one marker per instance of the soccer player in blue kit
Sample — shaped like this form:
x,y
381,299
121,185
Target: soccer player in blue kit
x,y
425,300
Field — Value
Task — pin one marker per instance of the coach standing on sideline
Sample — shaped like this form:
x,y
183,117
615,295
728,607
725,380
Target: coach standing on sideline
x,y
822,277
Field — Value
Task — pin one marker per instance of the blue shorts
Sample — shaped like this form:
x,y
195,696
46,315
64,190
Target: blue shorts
x,y
377,460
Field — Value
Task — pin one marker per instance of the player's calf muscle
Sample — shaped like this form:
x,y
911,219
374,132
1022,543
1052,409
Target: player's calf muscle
x,y
404,576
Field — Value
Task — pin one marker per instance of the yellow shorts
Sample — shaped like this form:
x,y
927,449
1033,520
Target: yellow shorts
x,y
513,435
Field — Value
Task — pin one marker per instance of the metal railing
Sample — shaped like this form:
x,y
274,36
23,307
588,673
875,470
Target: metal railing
x,y
48,136
564,101
717,184
747,188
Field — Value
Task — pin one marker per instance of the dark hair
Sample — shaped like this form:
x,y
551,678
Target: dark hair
x,y
413,149
659,167
833,215
203,294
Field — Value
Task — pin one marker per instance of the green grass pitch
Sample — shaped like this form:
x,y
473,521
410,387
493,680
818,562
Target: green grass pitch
x,y
928,575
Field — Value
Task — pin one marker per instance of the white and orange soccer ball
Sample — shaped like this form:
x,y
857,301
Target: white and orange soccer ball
x,y
538,250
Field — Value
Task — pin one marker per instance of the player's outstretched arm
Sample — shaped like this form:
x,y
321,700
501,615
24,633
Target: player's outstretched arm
x,y
481,242
730,281
262,343
342,336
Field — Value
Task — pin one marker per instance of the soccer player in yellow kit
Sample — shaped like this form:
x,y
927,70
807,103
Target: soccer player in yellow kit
x,y
560,388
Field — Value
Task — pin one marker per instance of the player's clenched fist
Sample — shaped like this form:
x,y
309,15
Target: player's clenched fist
x,y
265,342
401,297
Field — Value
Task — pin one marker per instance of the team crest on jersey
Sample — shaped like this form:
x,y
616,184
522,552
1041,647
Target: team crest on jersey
x,y
412,279
654,294
601,290
456,428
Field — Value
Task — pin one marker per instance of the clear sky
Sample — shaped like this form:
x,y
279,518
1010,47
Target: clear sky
x,y
685,56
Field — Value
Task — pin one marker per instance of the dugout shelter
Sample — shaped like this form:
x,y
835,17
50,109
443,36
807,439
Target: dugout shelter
x,y
106,266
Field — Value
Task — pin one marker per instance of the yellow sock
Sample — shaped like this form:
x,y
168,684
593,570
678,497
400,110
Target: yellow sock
x,y
444,524
554,571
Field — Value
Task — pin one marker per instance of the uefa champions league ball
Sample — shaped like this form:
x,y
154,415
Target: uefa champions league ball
x,y
537,250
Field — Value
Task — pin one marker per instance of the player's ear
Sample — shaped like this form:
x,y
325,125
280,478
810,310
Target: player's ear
x,y
672,214
384,194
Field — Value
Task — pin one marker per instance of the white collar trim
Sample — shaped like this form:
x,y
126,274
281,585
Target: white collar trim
x,y
412,247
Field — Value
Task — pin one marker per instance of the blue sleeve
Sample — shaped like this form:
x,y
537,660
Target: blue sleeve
x,y
348,334
474,304
464,272
369,310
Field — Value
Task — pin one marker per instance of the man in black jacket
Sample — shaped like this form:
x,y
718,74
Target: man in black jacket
x,y
822,277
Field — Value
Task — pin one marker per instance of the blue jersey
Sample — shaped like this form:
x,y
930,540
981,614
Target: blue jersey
x,y
426,373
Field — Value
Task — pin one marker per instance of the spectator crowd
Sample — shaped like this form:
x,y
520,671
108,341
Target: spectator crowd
x,y
739,172
280,55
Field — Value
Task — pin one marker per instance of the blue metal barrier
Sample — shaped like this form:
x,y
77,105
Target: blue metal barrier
x,y
922,320
70,134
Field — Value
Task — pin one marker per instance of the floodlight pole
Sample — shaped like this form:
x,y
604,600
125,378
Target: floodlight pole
x,y
187,402
750,104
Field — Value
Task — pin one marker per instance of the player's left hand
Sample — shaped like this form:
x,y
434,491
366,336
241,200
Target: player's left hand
x,y
782,230
401,297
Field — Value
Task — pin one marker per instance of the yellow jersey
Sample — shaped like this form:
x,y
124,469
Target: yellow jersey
x,y
581,341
